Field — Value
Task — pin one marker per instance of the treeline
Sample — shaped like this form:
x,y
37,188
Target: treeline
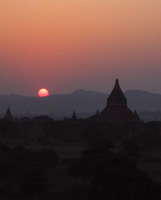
x,y
25,172
105,174
109,167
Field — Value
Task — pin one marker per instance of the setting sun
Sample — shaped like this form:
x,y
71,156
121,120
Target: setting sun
x,y
43,92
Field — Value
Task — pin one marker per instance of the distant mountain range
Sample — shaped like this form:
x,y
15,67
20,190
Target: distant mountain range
x,y
81,101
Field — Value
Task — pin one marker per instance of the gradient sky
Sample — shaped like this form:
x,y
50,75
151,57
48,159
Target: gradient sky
x,y
64,45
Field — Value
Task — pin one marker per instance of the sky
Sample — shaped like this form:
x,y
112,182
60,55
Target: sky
x,y
64,45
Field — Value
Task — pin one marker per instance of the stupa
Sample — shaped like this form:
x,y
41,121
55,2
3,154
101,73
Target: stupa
x,y
8,114
74,118
116,108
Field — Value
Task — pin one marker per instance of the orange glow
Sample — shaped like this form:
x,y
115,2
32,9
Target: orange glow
x,y
71,44
43,92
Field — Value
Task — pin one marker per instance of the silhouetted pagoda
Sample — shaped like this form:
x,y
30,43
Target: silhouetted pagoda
x,y
116,109
8,115
74,118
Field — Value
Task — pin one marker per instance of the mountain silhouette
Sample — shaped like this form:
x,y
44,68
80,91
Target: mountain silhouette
x,y
80,101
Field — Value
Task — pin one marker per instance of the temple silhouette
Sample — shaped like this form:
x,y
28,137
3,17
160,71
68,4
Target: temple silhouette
x,y
74,117
8,114
116,109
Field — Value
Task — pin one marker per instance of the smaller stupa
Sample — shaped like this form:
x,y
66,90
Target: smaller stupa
x,y
8,114
74,117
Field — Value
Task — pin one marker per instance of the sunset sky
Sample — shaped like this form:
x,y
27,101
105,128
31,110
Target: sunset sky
x,y
63,45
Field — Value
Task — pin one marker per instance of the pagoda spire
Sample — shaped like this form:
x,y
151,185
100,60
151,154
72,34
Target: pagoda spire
x,y
117,97
136,116
8,114
116,108
74,118
117,82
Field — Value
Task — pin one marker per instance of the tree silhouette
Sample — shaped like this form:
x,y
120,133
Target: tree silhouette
x,y
34,183
113,176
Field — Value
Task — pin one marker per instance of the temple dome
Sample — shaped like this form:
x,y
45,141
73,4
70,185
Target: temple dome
x,y
116,108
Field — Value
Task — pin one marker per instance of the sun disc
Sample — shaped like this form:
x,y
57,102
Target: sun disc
x,y
43,92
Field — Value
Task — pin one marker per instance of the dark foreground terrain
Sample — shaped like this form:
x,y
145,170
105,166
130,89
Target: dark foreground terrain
x,y
82,159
